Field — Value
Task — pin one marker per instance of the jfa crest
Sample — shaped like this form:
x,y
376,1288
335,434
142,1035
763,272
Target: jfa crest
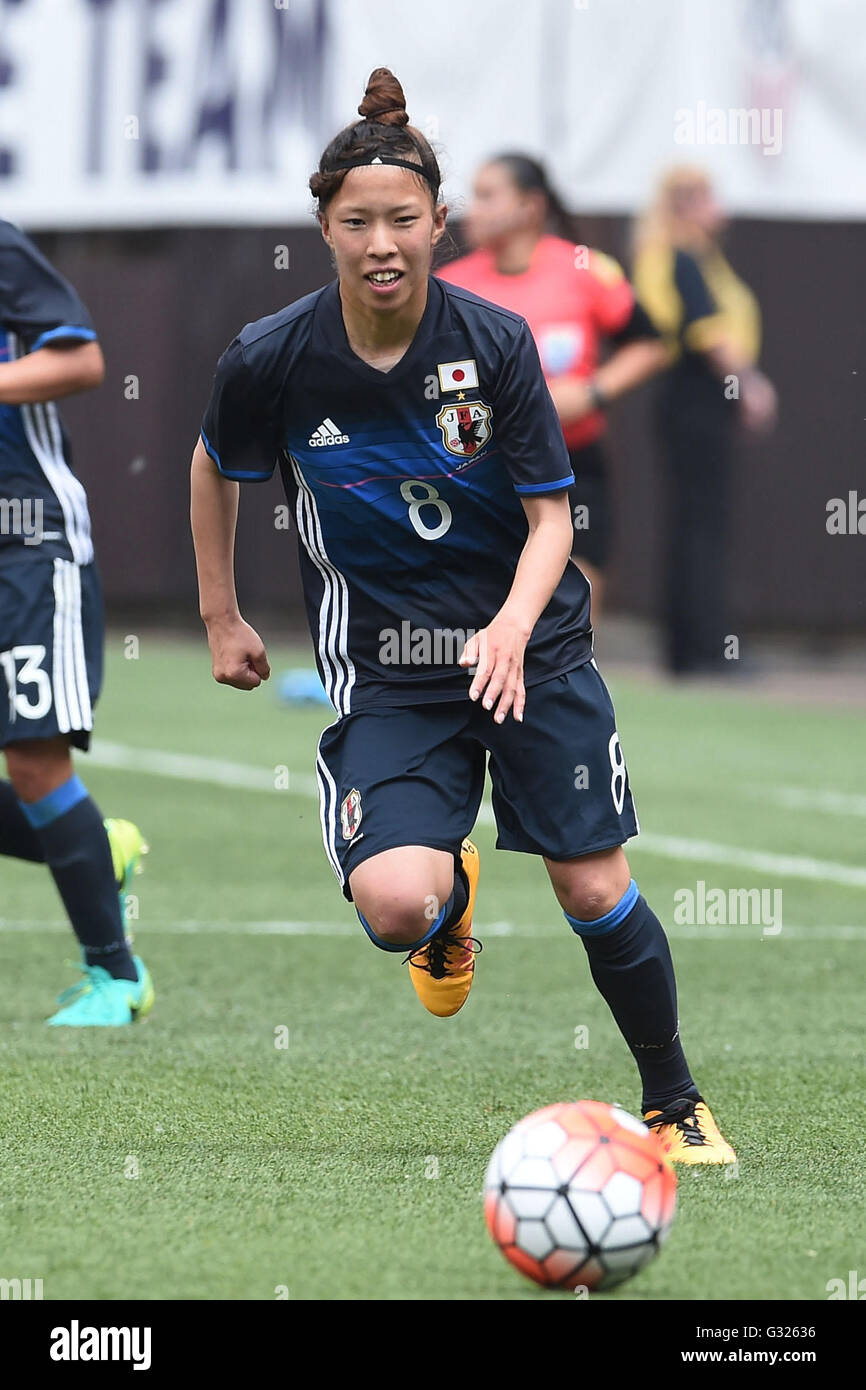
x,y
465,428
350,813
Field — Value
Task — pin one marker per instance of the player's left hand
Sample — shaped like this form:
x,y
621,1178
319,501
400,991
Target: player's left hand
x,y
497,651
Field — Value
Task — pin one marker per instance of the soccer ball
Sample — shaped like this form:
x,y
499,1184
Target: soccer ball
x,y
579,1193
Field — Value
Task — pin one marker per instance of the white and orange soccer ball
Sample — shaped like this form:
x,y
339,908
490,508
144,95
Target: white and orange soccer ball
x,y
579,1193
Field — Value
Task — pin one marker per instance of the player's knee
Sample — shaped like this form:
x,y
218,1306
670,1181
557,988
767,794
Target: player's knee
x,y
36,770
400,894
587,903
591,895
590,888
399,918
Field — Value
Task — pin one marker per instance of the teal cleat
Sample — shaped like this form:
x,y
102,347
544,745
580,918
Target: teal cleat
x,y
103,1002
127,847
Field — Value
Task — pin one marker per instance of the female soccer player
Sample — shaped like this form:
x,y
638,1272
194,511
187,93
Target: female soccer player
x,y
712,325
575,300
429,479
51,636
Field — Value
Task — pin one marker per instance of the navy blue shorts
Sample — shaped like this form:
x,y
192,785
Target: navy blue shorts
x,y
51,636
414,775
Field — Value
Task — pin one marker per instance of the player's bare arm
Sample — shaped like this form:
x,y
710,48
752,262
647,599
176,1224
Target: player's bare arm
x,y
626,368
50,373
237,652
498,649
758,403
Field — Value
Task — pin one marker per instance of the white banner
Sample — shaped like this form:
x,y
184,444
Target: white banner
x,y
161,112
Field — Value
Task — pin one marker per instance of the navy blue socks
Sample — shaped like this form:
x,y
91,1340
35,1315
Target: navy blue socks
x,y
630,962
459,900
66,827
18,839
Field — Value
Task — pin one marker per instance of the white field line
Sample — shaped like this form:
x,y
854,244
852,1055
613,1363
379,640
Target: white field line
x,y
760,861
189,767
802,799
192,927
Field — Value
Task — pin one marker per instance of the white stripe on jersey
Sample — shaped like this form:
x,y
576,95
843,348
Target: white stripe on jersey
x,y
42,428
328,813
58,682
327,595
70,687
69,673
337,665
79,662
329,608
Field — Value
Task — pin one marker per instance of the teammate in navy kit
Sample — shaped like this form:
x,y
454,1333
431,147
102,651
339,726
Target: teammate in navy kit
x,y
51,632
423,458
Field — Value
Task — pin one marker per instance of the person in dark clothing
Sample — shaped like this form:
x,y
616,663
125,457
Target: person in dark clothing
x,y
712,325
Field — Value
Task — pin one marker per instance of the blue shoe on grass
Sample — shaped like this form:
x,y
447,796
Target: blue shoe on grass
x,y
103,1002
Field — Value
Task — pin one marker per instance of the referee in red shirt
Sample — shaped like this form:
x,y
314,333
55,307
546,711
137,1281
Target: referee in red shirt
x,y
575,301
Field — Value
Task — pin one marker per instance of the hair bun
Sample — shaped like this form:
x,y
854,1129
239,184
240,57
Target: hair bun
x,y
384,101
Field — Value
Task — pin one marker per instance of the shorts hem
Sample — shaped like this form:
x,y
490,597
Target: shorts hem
x,y
78,738
566,858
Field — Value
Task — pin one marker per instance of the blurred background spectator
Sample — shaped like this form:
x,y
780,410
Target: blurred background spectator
x,y
528,256
711,323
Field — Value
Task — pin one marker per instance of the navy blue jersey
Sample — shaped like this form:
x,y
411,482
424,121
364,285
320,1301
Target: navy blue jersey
x,y
42,503
405,485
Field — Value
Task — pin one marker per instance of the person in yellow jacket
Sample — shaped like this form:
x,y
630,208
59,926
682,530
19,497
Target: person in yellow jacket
x,y
711,323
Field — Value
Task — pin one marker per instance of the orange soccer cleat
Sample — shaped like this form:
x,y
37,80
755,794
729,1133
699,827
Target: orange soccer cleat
x,y
442,970
688,1132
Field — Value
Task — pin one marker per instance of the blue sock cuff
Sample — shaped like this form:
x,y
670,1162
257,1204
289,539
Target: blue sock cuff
x,y
55,804
610,919
403,946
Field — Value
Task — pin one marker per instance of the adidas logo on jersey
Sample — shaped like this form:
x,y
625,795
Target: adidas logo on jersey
x,y
326,434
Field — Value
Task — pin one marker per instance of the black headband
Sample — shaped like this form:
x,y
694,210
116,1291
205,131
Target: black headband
x,y
386,159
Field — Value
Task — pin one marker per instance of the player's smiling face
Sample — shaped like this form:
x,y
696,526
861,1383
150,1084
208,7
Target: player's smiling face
x,y
382,227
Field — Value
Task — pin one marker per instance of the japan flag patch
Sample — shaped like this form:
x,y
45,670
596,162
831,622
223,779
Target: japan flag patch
x,y
457,376
350,814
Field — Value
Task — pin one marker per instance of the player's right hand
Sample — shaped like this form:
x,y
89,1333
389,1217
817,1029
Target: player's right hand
x,y
758,403
238,655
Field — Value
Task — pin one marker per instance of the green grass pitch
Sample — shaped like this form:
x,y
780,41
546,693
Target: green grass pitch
x,y
191,1157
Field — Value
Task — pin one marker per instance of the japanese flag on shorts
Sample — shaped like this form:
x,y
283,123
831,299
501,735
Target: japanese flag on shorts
x,y
456,376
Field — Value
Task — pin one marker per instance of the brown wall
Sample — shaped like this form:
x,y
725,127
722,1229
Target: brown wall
x,y
166,303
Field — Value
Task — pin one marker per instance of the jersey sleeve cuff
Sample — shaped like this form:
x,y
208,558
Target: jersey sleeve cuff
x,y
529,489
66,330
232,474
